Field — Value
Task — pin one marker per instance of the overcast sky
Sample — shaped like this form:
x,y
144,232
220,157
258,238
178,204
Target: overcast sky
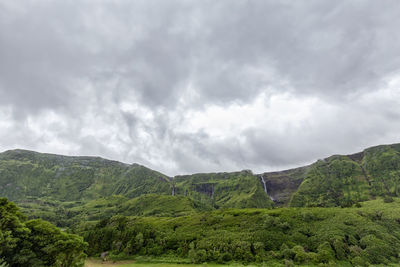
x,y
200,86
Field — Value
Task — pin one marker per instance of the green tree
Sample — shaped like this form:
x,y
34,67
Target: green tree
x,y
36,243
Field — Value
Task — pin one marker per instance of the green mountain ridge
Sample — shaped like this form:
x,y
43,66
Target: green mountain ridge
x,y
59,188
346,180
31,174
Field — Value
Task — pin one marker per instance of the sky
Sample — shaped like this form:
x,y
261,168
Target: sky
x,y
200,86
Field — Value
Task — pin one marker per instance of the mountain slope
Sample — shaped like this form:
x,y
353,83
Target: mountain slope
x,y
53,187
224,190
345,180
27,174
62,189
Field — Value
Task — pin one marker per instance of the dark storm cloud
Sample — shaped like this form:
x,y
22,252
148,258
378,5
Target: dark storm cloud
x,y
120,78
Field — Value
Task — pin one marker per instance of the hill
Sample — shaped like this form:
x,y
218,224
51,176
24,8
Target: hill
x,y
31,175
62,189
346,180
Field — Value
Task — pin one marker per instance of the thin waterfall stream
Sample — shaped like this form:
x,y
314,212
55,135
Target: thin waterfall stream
x,y
265,188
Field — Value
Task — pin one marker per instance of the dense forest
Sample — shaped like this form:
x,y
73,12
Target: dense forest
x,y
342,210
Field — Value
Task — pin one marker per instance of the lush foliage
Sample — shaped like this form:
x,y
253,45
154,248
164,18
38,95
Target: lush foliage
x,y
36,243
29,175
343,210
345,180
68,190
336,181
361,236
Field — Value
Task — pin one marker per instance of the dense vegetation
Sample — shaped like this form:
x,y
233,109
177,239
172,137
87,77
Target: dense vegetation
x,y
346,180
342,209
66,190
146,205
29,175
360,236
36,243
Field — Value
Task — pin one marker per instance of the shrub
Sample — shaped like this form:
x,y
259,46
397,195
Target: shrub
x,y
340,249
325,253
224,257
300,256
197,256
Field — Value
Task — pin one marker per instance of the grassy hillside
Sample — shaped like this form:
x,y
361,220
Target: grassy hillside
x,y
26,174
346,180
145,205
48,186
66,190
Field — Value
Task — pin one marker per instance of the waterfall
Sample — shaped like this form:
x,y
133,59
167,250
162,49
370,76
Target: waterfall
x,y
265,188
173,190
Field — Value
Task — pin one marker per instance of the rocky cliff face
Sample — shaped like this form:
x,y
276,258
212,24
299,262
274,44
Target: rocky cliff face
x,y
224,190
283,184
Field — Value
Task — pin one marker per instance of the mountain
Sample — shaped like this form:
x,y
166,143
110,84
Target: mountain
x,y
49,186
65,189
31,175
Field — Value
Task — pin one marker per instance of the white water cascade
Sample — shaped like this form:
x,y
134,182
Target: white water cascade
x,y
265,188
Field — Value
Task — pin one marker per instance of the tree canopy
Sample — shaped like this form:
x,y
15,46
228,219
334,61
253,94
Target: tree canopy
x,y
36,243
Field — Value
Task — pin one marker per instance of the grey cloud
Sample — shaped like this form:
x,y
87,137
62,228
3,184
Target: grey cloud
x,y
86,58
325,48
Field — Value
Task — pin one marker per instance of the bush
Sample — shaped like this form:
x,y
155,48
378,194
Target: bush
x,y
325,253
340,248
358,261
224,257
197,256
300,256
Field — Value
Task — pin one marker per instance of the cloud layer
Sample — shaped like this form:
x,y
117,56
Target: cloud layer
x,y
193,86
